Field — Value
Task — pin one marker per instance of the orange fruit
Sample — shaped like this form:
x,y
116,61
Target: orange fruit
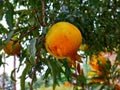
x,y
63,40
12,48
67,84
96,63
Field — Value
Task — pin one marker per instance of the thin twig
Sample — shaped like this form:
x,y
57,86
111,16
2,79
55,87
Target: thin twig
x,y
15,72
41,22
4,74
31,29
37,18
35,64
33,76
34,72
43,13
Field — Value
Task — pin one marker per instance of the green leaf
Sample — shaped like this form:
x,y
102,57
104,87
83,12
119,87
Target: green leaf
x,y
23,76
67,70
32,49
1,14
47,73
12,75
1,44
97,87
9,14
118,56
81,80
3,30
54,73
1,60
1,4
55,70
10,34
86,68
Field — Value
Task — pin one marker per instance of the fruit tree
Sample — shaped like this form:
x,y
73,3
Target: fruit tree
x,y
62,40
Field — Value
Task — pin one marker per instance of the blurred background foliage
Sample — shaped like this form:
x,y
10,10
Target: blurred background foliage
x,y
8,82
29,21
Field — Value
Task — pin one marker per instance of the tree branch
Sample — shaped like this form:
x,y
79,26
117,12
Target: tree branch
x,y
31,29
36,61
43,13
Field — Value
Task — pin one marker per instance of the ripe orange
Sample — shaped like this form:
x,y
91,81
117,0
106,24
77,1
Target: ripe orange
x,y
12,48
63,40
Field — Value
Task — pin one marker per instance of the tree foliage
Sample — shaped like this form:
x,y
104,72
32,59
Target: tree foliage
x,y
29,20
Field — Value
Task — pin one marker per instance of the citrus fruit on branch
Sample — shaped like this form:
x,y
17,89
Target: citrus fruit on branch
x,y
63,40
12,48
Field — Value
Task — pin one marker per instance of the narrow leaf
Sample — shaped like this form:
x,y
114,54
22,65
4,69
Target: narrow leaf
x,y
9,36
97,87
9,15
1,4
1,14
23,77
32,49
12,75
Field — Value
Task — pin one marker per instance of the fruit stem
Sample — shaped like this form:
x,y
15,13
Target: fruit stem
x,y
73,58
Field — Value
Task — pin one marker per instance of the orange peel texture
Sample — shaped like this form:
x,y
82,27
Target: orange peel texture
x,y
12,48
63,40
